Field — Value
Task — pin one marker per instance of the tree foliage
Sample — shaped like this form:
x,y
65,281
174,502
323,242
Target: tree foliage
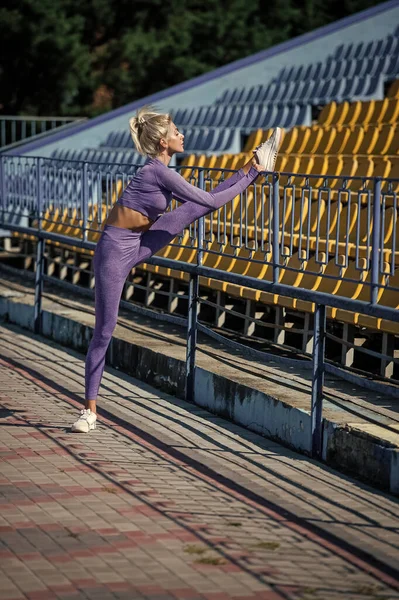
x,y
71,57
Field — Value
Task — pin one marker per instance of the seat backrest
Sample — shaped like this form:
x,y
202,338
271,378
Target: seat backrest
x,y
353,113
391,114
386,134
326,116
314,139
366,112
369,140
340,141
354,141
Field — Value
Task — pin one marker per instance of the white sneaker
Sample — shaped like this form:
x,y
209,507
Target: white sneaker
x,y
86,421
266,153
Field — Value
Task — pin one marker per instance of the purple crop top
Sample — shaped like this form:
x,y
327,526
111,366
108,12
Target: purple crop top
x,y
152,188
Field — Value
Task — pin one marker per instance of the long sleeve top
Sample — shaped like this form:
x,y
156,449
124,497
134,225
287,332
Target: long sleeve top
x,y
153,187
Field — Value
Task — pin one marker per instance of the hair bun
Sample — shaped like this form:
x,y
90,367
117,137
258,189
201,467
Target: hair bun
x,y
141,120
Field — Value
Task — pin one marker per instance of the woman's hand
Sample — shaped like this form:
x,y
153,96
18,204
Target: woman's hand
x,y
257,166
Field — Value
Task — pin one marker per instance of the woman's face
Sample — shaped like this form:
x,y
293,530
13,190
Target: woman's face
x,y
175,140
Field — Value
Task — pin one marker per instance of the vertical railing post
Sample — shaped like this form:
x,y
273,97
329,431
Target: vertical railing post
x,y
318,379
276,229
3,187
3,133
85,198
39,252
375,242
193,302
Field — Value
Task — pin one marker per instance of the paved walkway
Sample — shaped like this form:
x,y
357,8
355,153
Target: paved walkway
x,y
166,501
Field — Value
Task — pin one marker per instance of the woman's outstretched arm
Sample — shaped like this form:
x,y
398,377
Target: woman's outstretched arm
x,y
170,224
183,191
224,185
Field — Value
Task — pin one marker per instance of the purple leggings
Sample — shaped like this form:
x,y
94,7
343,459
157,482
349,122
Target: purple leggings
x,y
117,252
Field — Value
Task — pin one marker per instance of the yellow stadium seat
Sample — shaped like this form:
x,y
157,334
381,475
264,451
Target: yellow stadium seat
x,y
327,140
352,116
341,113
384,140
382,167
292,275
259,268
326,116
314,140
366,112
301,141
210,161
221,161
340,141
369,141
391,114
311,280
289,141
393,90
320,167
355,276
291,166
380,108
281,162
394,144
364,294
211,258
364,168
354,141
254,139
190,160
392,187
305,166
241,160
227,263
335,165
387,297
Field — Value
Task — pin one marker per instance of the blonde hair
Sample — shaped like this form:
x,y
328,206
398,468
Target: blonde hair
x,y
147,129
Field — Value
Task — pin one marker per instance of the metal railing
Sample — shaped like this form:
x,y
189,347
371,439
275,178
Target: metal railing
x,y
15,130
334,234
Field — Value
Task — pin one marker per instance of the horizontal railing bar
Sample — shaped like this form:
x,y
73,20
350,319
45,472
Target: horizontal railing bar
x,y
30,118
221,171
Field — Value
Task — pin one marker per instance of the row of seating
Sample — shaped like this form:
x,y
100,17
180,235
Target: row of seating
x,y
362,113
381,47
332,68
351,71
361,84
246,117
337,276
369,140
200,139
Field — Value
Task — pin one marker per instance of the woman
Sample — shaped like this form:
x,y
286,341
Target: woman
x,y
137,227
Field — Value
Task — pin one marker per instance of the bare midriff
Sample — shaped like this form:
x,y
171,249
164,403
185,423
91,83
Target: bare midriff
x,y
127,218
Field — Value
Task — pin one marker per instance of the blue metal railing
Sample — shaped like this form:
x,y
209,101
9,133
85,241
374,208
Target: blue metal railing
x,y
14,129
339,238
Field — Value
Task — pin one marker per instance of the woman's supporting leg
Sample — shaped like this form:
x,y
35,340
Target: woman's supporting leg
x,y
108,291
114,258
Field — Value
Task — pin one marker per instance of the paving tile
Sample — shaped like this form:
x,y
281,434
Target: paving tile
x,y
130,512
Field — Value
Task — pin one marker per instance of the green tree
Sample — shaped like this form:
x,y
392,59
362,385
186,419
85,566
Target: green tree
x,y
45,65
69,56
